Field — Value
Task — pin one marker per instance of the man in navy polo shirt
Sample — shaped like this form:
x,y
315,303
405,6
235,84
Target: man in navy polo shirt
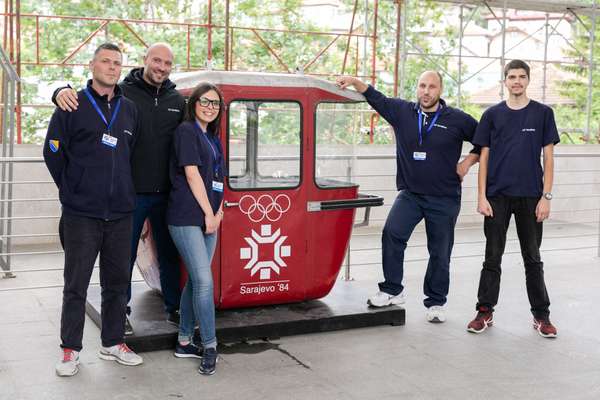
x,y
429,140
88,154
512,135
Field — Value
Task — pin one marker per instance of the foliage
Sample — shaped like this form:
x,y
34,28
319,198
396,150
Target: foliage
x,y
577,88
59,37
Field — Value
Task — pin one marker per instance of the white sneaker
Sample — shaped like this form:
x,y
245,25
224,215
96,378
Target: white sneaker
x,y
69,365
436,314
121,354
382,299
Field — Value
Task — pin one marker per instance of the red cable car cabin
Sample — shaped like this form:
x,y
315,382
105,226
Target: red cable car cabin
x,y
289,207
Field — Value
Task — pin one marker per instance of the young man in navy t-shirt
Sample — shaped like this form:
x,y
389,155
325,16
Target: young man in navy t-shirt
x,y
429,140
512,135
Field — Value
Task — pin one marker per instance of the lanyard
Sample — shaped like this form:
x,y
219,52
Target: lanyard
x,y
217,158
430,127
95,105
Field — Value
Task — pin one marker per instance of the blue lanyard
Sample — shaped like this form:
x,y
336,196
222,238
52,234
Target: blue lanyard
x,y
95,105
217,165
430,127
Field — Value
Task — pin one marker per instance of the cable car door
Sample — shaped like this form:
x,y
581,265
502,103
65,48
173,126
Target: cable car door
x,y
263,235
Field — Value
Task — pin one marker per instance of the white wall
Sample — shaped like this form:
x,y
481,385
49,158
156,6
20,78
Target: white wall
x,y
577,186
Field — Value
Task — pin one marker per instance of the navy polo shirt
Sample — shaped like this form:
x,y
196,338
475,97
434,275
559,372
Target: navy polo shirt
x,y
436,174
192,146
516,139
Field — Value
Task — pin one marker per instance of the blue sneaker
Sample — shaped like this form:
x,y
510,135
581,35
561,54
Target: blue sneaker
x,y
190,350
208,364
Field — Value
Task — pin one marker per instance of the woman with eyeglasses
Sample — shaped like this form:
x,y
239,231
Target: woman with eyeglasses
x,y
194,213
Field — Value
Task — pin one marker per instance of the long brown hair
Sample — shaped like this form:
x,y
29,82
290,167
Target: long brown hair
x,y
190,108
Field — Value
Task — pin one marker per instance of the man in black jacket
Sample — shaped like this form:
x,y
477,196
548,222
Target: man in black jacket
x,y
161,110
88,155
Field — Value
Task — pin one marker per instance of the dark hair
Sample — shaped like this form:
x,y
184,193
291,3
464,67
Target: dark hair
x,y
190,107
441,78
516,64
107,46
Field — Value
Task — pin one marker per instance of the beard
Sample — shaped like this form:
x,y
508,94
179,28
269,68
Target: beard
x,y
432,102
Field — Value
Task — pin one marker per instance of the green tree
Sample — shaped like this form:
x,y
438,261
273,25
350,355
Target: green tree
x,y
577,88
59,37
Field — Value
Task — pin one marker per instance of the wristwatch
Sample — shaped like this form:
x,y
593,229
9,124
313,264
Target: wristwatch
x,y
548,196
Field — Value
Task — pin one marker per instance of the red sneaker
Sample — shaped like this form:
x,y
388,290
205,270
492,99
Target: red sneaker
x,y
483,320
544,328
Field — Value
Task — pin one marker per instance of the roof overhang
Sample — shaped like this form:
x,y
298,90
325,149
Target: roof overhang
x,y
188,80
554,6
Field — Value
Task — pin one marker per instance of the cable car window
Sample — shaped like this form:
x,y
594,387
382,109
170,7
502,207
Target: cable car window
x,y
264,144
339,128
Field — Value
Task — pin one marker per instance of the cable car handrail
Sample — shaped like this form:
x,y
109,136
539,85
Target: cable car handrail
x,y
363,200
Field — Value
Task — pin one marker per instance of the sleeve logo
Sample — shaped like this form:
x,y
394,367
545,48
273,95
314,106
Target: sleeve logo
x,y
54,145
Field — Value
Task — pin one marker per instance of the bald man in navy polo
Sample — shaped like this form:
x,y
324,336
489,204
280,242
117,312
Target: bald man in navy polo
x,y
429,140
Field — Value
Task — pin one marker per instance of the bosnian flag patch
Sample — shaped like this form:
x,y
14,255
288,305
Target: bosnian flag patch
x,y
54,145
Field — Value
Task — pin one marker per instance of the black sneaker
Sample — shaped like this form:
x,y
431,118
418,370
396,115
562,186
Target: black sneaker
x,y
173,318
208,364
190,350
128,327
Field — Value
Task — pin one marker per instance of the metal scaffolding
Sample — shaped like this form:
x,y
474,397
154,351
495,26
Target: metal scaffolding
x,y
368,31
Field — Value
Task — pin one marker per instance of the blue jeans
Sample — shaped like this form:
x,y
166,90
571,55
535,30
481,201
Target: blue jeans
x,y
197,301
154,206
440,213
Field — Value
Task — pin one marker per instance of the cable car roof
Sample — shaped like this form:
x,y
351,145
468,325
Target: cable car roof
x,y
188,80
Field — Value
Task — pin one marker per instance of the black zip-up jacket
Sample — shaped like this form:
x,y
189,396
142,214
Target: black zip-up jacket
x,y
93,178
160,111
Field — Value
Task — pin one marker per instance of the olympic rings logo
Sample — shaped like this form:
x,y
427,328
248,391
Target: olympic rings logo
x,y
265,207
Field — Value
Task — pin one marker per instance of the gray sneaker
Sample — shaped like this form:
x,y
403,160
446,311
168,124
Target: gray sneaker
x,y
436,314
121,354
383,299
69,365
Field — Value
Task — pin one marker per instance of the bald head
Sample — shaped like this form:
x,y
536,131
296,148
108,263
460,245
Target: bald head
x,y
429,90
432,75
160,47
158,63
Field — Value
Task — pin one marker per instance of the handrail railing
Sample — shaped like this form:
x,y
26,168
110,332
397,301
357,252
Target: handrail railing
x,y
10,78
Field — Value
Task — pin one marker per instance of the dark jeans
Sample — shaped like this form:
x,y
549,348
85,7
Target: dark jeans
x,y
440,213
82,239
529,232
154,207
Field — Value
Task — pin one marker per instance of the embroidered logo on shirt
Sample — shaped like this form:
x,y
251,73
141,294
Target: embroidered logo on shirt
x,y
173,110
54,145
528,130
127,132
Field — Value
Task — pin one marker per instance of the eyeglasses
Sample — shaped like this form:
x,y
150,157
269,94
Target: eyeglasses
x,y
204,102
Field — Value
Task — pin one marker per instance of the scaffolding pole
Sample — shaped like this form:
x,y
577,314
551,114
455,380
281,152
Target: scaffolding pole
x,y
403,49
503,54
591,67
545,71
460,45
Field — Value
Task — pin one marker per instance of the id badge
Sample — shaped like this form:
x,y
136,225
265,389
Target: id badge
x,y
217,186
109,141
419,155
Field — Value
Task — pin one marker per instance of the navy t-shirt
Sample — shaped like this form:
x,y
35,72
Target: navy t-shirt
x,y
436,173
192,146
516,139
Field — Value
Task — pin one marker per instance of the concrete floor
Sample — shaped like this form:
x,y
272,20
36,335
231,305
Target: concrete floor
x,y
416,361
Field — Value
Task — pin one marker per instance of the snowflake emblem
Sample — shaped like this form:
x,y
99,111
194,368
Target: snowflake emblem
x,y
264,267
